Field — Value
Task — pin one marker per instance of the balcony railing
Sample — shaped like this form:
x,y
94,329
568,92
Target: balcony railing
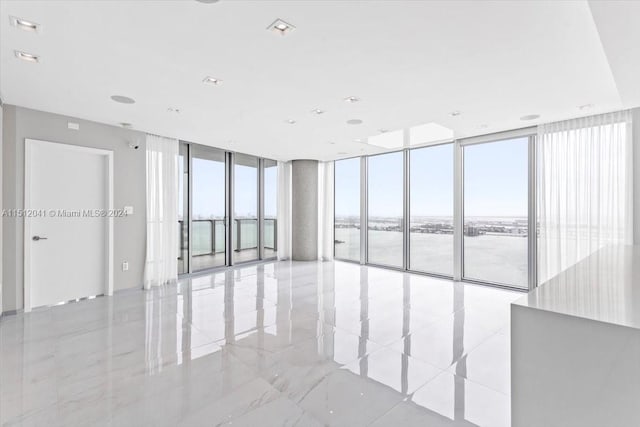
x,y
209,235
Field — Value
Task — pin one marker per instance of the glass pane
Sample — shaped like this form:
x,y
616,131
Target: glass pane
x,y
384,195
431,209
183,203
245,197
208,202
347,209
270,208
495,212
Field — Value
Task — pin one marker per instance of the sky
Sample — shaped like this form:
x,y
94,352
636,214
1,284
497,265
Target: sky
x,y
495,180
347,187
209,190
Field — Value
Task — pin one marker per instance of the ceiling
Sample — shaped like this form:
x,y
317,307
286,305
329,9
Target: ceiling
x,y
409,62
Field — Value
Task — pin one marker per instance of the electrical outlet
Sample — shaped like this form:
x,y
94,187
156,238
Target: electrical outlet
x,y
125,266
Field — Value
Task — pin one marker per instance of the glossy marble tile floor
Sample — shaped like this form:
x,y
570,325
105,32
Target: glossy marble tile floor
x,y
280,344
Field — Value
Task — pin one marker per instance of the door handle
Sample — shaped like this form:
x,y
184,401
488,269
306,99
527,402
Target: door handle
x,y
36,238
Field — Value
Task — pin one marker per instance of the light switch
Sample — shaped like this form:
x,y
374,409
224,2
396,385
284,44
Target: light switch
x,y
128,210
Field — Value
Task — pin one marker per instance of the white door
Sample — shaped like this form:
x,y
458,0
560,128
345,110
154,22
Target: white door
x,y
67,223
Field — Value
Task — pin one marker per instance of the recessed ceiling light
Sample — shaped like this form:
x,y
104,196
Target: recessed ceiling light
x,y
281,27
383,130
454,113
29,57
123,99
530,117
125,125
585,106
359,140
291,121
351,99
354,122
317,111
332,143
24,24
173,110
211,81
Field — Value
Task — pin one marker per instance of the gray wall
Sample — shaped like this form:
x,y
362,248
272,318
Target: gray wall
x,y
636,176
129,190
304,210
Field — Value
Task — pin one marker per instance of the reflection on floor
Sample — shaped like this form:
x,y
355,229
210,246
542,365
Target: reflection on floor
x,y
203,262
276,344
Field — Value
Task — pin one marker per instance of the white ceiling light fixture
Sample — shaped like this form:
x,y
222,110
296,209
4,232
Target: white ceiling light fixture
x,y
359,140
125,125
351,99
317,111
25,24
291,121
585,107
429,133
281,27
530,117
383,130
29,57
354,122
454,113
213,81
122,99
393,139
173,110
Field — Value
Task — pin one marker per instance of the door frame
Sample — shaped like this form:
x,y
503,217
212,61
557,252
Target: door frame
x,y
29,144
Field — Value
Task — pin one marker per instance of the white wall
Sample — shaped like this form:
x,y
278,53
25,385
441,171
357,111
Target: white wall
x,y
636,176
129,190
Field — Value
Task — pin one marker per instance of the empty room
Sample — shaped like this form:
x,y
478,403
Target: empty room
x,y
320,213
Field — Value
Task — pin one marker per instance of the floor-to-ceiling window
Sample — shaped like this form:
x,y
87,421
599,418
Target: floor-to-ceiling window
x,y
431,209
270,225
245,208
460,209
208,225
347,209
496,212
385,209
208,192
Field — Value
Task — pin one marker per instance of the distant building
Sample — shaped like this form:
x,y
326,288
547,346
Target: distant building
x,y
472,230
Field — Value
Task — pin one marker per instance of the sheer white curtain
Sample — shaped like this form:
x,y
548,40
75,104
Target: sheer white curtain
x,y
284,211
585,184
161,264
325,214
